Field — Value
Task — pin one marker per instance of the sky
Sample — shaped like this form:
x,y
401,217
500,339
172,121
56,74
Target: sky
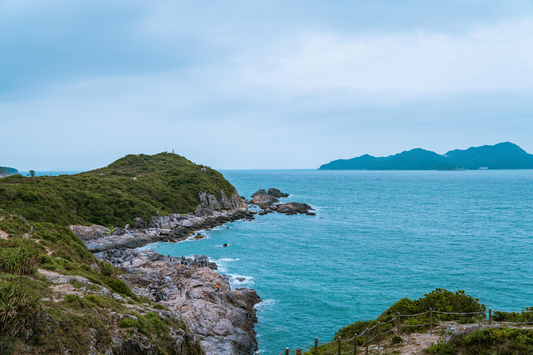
x,y
260,84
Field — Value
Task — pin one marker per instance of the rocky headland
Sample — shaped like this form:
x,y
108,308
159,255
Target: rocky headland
x,y
61,299
222,319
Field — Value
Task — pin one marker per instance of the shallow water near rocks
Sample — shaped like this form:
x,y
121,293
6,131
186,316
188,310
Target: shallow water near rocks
x,y
378,236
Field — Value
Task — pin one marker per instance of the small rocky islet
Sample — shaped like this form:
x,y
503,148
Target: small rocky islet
x,y
269,203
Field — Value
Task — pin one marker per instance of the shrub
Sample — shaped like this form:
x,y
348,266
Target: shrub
x,y
18,310
71,298
396,339
19,257
107,269
489,341
127,323
524,316
119,286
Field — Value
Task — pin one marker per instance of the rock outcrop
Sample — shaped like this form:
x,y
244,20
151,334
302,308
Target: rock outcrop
x,y
264,200
223,320
210,202
276,193
293,208
115,341
176,227
269,202
88,234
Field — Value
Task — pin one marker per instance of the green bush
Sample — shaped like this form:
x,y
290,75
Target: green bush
x,y
119,286
396,339
127,323
18,310
71,298
524,316
18,256
489,341
107,269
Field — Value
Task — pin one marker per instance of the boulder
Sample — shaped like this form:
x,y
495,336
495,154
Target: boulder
x,y
293,208
264,200
259,192
276,193
120,231
139,223
86,234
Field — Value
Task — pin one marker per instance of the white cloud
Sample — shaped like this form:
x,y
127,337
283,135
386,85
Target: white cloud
x,y
486,58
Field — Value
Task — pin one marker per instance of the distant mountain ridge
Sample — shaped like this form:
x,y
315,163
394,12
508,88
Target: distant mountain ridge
x,y
500,156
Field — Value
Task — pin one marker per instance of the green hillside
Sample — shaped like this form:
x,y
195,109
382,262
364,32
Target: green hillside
x,y
416,159
80,317
91,306
500,156
133,186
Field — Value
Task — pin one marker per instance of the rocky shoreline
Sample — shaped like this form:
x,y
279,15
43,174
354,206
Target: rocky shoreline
x,y
221,318
173,228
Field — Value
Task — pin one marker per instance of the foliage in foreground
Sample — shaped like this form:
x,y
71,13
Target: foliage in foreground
x,y
34,315
501,341
133,186
439,300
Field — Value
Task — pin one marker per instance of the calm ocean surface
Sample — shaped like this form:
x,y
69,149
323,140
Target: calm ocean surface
x,y
378,236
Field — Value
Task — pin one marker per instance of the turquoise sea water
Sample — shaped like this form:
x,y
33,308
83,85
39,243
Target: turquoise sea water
x,y
377,237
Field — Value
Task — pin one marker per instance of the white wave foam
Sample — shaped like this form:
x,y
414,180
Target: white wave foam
x,y
222,263
240,280
265,304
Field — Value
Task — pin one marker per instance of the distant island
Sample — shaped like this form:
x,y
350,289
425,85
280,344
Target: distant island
x,y
500,156
5,171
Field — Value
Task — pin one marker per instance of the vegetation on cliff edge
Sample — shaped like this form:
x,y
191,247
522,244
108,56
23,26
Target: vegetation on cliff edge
x,y
133,186
439,300
74,316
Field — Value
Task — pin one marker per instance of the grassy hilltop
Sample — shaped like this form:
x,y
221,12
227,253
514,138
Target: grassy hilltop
x,y
133,186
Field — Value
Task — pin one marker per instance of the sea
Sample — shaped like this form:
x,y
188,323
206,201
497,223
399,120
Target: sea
x,y
377,236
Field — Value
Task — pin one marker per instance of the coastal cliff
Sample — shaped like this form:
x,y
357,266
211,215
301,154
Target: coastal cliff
x,y
62,299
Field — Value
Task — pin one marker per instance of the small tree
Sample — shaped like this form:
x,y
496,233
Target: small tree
x,y
32,173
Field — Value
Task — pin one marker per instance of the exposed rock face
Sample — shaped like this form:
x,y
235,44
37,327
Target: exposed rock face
x,y
458,331
264,200
88,234
209,201
277,193
293,207
260,192
180,341
167,229
223,321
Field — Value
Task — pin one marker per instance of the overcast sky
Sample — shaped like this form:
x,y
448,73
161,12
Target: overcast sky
x,y
260,84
